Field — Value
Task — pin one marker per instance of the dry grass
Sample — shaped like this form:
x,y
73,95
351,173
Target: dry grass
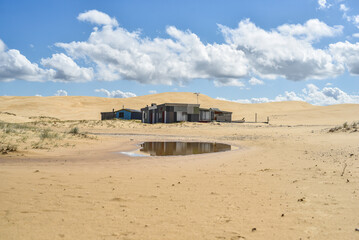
x,y
43,134
353,127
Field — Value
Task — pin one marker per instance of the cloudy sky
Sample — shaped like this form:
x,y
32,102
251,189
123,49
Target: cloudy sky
x,y
245,51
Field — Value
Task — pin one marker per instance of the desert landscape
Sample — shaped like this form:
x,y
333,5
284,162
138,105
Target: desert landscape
x,y
62,174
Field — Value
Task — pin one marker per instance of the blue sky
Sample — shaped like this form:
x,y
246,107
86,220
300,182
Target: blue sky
x,y
245,51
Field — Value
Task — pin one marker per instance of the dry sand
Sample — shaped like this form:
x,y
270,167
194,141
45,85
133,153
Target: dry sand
x,y
286,180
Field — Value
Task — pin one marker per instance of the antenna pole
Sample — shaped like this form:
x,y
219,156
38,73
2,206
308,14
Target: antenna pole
x,y
197,93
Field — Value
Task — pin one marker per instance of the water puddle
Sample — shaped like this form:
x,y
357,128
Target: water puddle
x,y
182,148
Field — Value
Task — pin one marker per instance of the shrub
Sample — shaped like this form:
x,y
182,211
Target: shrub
x,y
74,130
4,149
47,134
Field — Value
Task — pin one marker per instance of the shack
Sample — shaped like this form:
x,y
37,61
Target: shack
x,y
220,116
205,115
170,113
108,115
128,114
124,113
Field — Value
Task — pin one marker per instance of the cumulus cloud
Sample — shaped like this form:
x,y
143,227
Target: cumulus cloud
x,y
63,68
323,4
255,81
14,65
311,94
346,53
343,8
354,19
286,51
120,54
114,53
60,93
116,93
97,17
249,50
312,30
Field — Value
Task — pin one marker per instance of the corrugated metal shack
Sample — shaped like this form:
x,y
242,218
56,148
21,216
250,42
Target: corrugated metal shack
x,y
220,116
170,113
205,115
108,115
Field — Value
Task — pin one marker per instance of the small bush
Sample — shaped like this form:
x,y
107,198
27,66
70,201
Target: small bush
x,y
74,131
4,149
46,134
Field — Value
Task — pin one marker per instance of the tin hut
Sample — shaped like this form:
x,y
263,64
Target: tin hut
x,y
170,113
108,115
204,115
220,116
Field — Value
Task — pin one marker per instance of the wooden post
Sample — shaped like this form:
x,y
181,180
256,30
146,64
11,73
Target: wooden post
x,y
267,120
256,117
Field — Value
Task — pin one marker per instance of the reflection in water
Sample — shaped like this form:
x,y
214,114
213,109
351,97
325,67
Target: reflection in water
x,y
182,148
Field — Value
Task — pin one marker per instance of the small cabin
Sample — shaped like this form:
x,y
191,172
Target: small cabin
x,y
125,113
220,116
128,114
204,115
108,115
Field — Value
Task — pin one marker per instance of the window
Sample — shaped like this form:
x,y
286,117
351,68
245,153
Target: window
x,y
121,115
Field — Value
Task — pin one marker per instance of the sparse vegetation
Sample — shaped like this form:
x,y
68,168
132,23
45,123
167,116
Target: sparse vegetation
x,y
345,127
47,134
4,149
74,131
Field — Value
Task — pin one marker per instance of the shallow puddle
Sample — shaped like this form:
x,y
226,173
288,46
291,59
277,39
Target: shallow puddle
x,y
182,148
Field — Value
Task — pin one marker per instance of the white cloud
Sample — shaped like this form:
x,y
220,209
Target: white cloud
x,y
255,81
356,35
323,4
354,19
348,54
65,69
311,94
286,51
38,95
328,84
97,17
14,65
116,93
152,91
120,54
115,53
344,8
60,93
312,30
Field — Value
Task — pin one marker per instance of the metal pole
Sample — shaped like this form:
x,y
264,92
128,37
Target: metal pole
x,y
197,95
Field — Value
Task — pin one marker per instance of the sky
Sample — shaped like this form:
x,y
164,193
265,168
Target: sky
x,y
245,51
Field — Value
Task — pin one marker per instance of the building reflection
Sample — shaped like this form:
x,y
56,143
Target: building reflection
x,y
182,148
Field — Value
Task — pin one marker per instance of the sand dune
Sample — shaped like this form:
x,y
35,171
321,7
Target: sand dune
x,y
290,179
89,108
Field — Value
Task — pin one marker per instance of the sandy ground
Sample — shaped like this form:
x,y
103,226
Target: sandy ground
x,y
288,180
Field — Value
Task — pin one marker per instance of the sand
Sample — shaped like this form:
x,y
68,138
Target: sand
x,y
289,179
